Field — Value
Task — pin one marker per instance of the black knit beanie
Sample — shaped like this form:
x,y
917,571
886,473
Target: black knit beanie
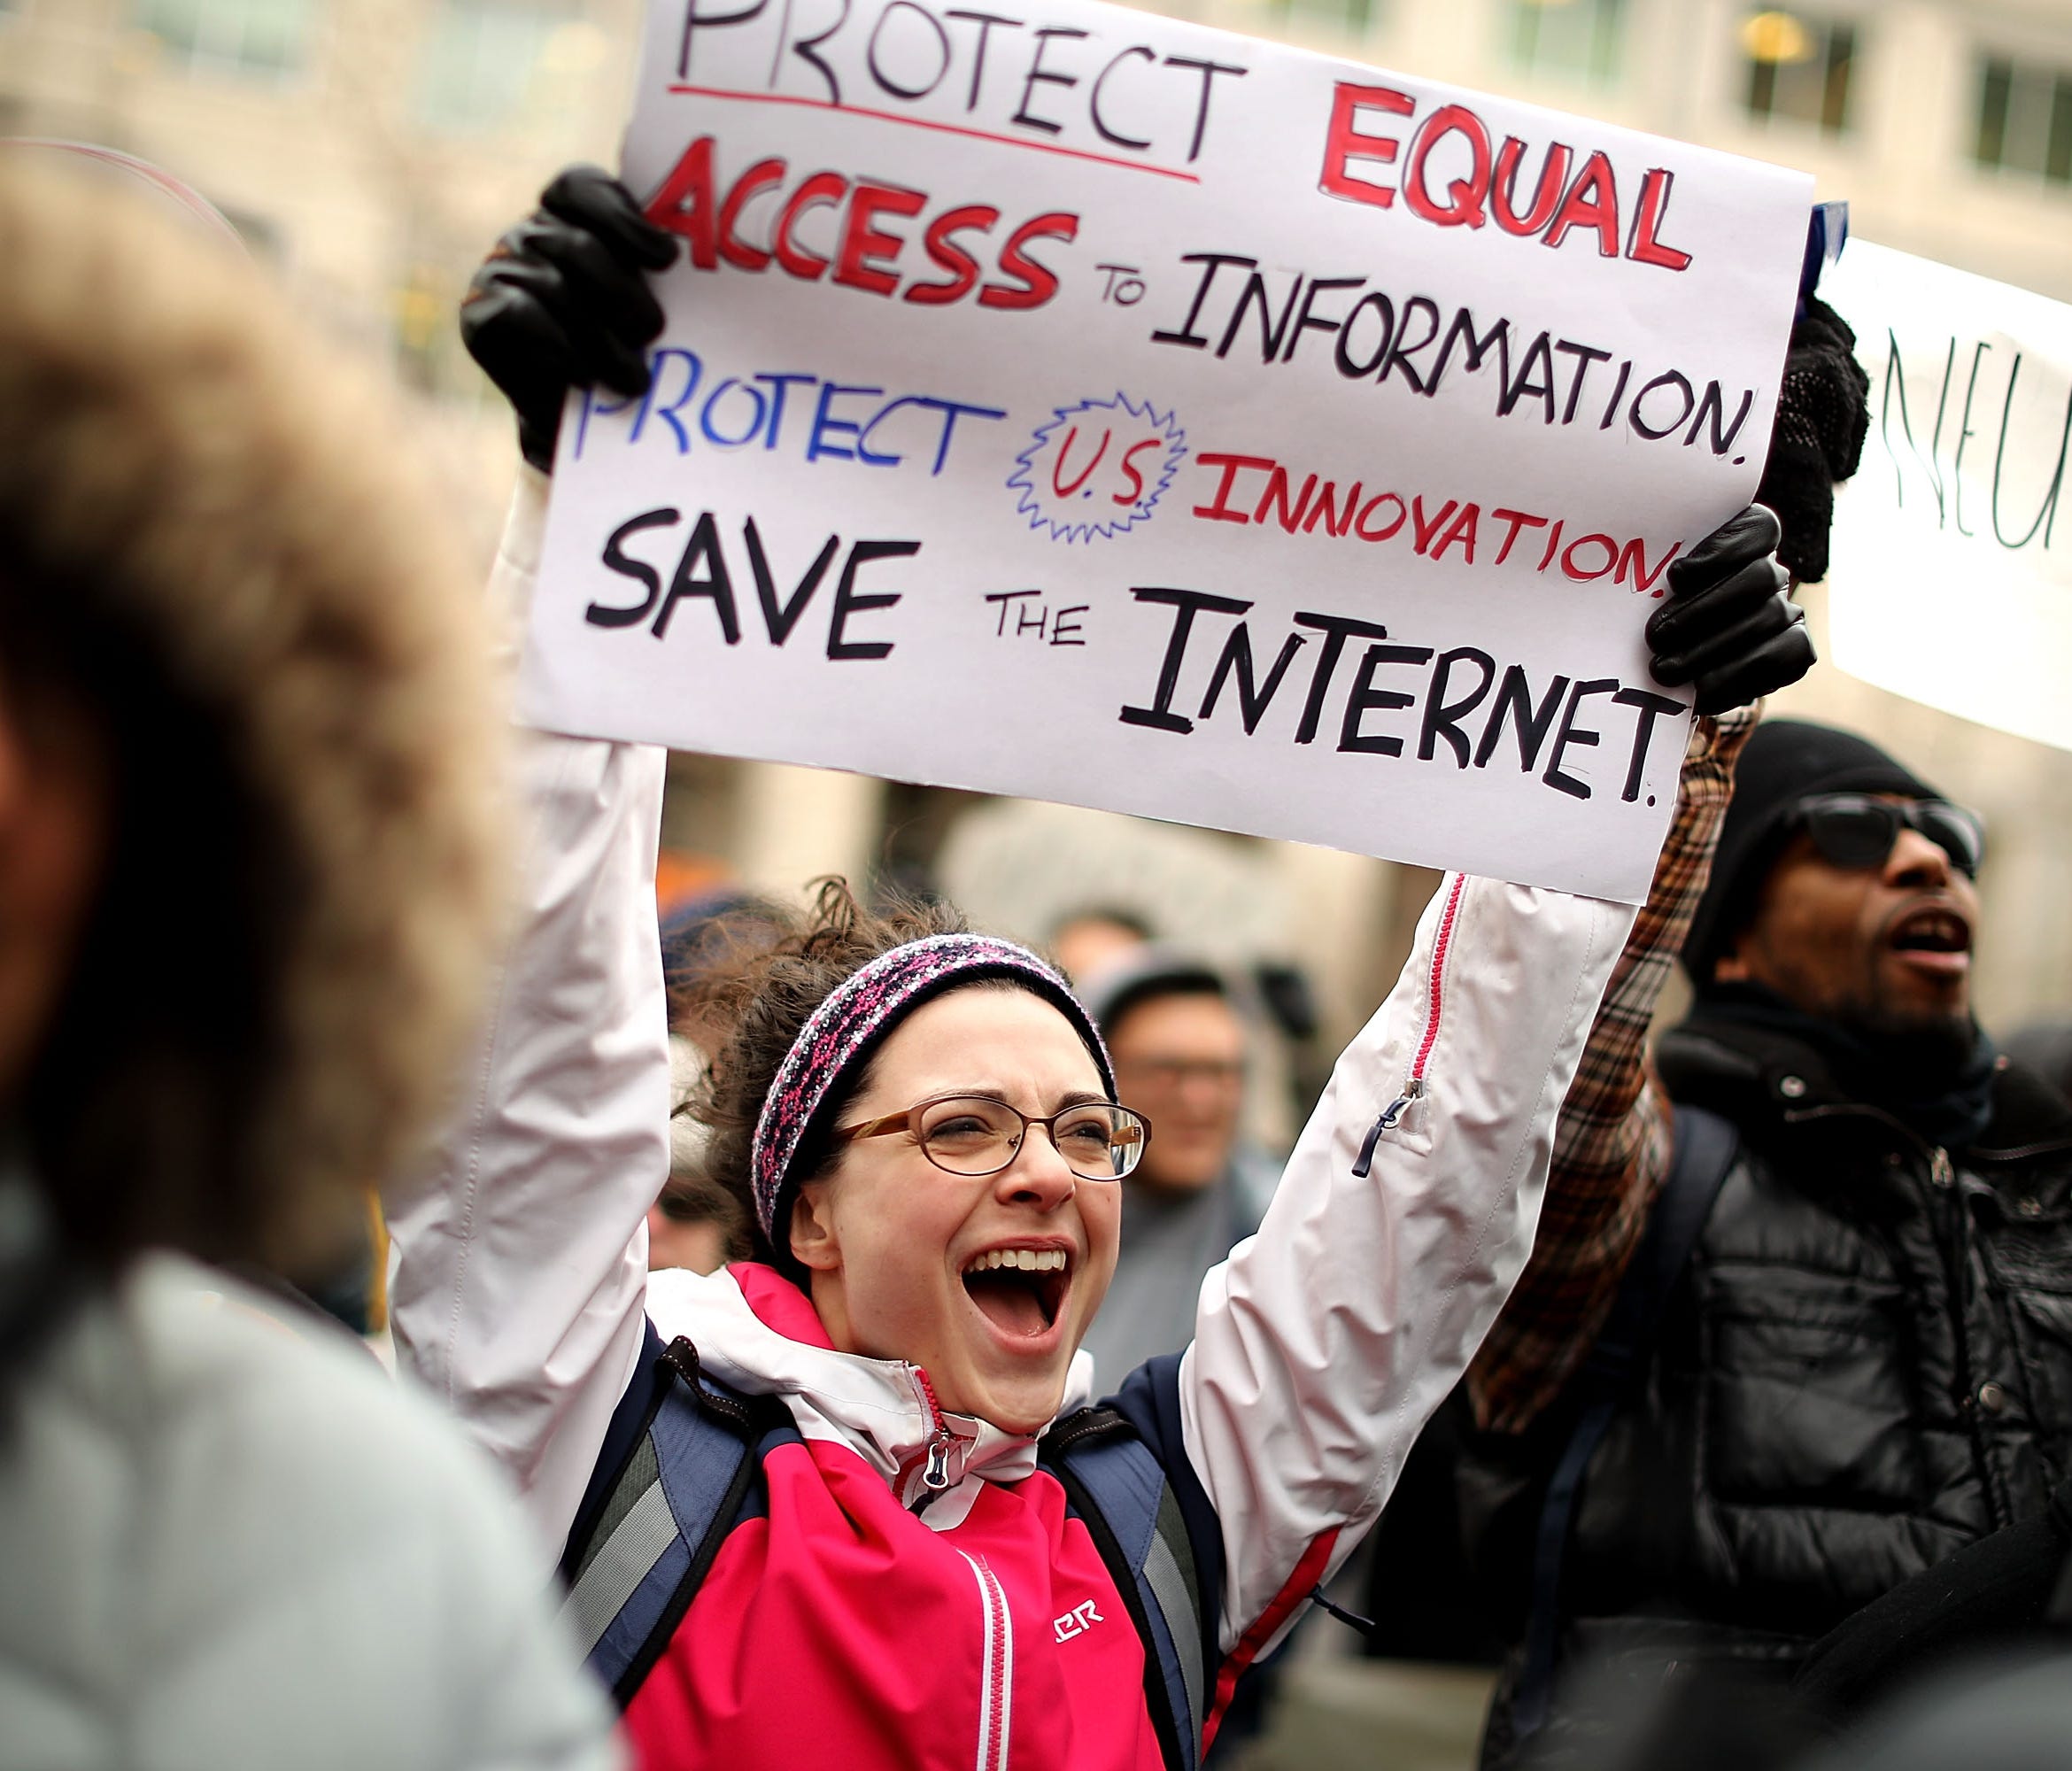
x,y
1785,763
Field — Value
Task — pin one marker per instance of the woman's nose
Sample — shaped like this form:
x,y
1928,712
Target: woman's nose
x,y
1039,1171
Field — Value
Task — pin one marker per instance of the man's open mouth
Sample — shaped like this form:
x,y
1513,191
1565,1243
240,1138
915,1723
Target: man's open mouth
x,y
1932,930
1019,1290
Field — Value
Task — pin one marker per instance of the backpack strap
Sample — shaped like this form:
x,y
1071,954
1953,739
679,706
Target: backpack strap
x,y
1705,1145
647,1538
1118,1488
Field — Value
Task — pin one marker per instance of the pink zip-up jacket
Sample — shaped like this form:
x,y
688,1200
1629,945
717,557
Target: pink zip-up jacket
x,y
839,1620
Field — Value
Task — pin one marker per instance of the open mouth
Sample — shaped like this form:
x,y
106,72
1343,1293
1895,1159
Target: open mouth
x,y
1019,1290
1933,931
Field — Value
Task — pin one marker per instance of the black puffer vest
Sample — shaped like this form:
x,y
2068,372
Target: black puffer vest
x,y
1865,1365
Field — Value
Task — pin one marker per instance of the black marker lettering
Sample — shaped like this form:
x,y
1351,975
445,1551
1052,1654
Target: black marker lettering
x,y
1186,604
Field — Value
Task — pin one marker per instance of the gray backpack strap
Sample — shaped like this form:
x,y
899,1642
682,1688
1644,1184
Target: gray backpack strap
x,y
1118,1488
651,1540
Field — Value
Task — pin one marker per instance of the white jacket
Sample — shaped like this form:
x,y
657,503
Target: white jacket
x,y
1321,1347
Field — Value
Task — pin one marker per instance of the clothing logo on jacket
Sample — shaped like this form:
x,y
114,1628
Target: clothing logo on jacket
x,y
1077,1621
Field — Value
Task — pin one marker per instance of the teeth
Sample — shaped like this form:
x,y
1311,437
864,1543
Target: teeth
x,y
1938,931
1024,1260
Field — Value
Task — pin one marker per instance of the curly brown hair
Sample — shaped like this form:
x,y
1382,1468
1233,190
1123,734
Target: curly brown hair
x,y
767,974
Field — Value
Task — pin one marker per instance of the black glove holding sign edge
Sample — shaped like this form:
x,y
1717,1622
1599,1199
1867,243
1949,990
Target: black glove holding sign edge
x,y
562,301
1729,628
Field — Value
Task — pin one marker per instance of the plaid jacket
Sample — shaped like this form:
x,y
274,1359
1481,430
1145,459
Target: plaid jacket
x,y
1611,1147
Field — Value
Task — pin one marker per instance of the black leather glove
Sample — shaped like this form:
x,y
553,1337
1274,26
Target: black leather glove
x,y
562,301
1729,628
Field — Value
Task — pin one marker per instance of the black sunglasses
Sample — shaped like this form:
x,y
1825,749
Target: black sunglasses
x,y
1854,830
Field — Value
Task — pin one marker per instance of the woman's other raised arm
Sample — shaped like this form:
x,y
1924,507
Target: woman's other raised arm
x,y
521,1257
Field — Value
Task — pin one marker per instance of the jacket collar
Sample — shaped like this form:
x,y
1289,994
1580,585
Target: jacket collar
x,y
1764,1080
758,1332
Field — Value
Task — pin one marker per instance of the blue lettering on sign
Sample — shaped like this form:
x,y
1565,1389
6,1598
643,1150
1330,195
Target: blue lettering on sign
x,y
1097,467
687,406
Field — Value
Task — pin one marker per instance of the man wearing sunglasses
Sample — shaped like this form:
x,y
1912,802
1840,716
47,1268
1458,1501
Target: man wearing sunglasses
x,y
1804,1329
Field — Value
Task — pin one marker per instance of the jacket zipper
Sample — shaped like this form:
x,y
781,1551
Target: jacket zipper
x,y
935,1472
997,1659
1413,1088
997,1667
1956,1263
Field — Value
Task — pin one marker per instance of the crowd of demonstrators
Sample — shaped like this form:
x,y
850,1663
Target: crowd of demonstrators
x,y
249,874
778,1257
771,1486
1794,1338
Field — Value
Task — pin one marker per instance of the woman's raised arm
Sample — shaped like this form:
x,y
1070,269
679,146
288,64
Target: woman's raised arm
x,y
522,1254
1324,1344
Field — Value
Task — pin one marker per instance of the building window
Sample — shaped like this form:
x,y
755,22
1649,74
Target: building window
x,y
484,60
2025,120
1798,68
1578,40
242,36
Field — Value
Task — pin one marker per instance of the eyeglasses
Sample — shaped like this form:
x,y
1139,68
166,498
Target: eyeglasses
x,y
1854,830
1222,1074
974,1134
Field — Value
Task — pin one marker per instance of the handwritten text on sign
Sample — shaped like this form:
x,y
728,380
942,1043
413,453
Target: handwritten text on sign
x,y
1957,498
1084,404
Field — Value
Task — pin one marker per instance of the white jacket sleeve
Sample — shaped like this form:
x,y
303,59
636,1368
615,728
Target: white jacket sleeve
x,y
1325,1342
521,1259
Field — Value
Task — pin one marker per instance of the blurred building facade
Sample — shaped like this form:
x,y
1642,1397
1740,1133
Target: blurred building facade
x,y
375,147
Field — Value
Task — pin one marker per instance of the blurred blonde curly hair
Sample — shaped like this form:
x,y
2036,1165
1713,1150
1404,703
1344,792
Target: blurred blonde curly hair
x,y
212,545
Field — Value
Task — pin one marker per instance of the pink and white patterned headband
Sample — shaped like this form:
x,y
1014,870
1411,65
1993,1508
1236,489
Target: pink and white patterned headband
x,y
844,1031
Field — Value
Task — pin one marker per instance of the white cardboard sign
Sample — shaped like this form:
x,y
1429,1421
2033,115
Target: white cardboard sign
x,y
1952,562
1065,401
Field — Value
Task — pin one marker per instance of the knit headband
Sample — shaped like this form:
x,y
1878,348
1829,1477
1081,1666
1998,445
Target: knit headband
x,y
857,1013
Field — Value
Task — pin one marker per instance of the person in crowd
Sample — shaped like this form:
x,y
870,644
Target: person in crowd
x,y
249,873
926,1127
1179,1048
1092,939
695,1222
1824,1258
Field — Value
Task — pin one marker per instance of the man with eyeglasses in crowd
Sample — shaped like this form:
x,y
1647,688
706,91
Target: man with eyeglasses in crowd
x,y
1833,1324
1181,1049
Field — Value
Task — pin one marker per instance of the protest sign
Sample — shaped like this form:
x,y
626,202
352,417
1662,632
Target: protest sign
x,y
1072,402
1950,582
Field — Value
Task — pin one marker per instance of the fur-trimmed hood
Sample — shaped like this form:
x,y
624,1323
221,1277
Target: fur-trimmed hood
x,y
187,470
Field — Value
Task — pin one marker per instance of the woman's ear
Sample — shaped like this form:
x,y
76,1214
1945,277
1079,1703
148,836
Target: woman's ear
x,y
815,1245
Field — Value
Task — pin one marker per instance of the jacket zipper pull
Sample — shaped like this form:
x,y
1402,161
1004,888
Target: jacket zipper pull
x,y
1940,1168
935,1472
1390,1115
